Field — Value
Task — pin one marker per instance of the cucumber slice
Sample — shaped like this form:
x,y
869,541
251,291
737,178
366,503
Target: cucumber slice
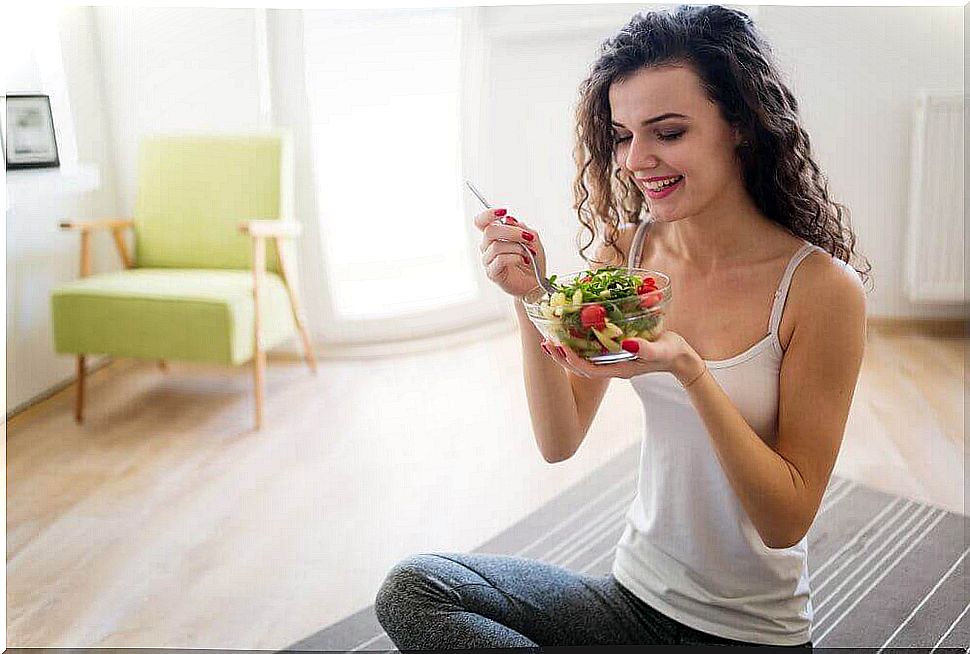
x,y
575,344
612,330
607,342
554,330
652,334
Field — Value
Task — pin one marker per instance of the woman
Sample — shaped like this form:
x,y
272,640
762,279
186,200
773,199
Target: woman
x,y
685,129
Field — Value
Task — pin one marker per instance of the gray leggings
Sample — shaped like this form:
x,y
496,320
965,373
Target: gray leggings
x,y
466,601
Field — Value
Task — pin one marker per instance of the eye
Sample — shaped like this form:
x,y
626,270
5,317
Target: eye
x,y
670,136
620,139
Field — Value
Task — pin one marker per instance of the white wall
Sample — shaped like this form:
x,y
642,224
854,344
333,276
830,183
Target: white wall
x,y
174,69
856,71
38,255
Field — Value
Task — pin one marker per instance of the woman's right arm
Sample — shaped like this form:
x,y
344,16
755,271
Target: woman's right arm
x,y
562,404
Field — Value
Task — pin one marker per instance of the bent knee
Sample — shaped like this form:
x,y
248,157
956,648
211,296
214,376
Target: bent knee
x,y
402,583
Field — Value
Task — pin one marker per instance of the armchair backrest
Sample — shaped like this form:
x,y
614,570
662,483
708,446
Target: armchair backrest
x,y
194,190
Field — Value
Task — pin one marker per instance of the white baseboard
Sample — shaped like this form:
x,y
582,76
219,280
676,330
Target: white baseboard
x,y
93,365
324,350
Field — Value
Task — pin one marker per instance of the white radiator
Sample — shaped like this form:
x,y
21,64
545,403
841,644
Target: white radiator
x,y
934,267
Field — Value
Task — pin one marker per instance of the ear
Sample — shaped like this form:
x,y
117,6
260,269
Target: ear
x,y
737,136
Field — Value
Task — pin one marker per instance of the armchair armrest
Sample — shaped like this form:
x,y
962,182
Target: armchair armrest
x,y
271,228
85,227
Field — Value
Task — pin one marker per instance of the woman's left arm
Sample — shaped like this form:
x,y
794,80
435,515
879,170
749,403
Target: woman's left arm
x,y
781,488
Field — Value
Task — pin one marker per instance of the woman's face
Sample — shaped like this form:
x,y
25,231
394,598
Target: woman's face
x,y
664,127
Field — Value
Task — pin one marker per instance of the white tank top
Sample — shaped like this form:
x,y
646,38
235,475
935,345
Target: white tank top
x,y
689,549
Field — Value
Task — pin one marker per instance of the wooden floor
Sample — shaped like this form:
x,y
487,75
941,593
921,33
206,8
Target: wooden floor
x,y
164,521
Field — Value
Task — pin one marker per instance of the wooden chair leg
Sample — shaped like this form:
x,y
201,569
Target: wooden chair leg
x,y
308,354
259,367
296,306
259,356
79,398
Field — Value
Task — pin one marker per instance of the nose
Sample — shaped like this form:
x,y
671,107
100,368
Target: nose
x,y
640,157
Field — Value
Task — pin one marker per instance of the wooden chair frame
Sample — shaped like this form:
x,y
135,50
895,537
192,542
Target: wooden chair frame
x,y
259,231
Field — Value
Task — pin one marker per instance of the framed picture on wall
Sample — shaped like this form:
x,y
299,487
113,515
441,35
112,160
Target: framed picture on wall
x,y
29,133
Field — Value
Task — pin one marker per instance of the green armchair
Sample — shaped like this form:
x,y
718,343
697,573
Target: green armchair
x,y
201,285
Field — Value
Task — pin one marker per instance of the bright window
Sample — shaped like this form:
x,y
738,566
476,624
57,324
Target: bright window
x,y
384,93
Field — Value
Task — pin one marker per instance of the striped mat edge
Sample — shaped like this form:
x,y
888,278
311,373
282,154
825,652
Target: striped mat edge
x,y
886,572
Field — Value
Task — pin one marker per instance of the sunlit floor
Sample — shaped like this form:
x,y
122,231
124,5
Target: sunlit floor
x,y
164,521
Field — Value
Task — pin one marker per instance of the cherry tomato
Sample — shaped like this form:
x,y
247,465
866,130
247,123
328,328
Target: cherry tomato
x,y
648,301
593,316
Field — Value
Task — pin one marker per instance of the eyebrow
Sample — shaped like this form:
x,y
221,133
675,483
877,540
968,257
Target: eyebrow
x,y
655,119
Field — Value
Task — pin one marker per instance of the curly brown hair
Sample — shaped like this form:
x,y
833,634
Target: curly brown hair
x,y
736,68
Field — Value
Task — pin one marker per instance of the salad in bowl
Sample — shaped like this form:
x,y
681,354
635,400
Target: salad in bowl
x,y
592,311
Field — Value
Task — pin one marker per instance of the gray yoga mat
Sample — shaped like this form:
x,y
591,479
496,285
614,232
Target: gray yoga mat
x,y
886,571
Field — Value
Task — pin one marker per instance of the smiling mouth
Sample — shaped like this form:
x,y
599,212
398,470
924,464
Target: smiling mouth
x,y
656,187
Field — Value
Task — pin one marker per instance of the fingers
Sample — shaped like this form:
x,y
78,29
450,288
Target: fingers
x,y
506,257
502,239
503,235
493,270
565,357
500,218
496,248
517,233
637,346
579,366
485,218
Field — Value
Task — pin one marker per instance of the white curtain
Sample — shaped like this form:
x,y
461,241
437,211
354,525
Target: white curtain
x,y
383,107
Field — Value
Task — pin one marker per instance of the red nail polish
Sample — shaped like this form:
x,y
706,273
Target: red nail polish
x,y
527,236
509,220
561,350
500,212
546,348
526,259
630,346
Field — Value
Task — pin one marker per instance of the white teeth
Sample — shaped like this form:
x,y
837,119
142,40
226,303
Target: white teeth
x,y
659,186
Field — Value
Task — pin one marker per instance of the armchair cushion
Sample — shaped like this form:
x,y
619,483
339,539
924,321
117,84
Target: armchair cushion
x,y
193,191
200,315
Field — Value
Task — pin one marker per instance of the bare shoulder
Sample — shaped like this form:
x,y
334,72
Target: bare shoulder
x,y
824,288
618,253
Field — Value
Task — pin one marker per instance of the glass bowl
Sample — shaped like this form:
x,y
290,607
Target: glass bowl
x,y
591,334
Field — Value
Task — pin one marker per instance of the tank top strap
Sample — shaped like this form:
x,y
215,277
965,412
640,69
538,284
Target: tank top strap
x,y
637,246
782,293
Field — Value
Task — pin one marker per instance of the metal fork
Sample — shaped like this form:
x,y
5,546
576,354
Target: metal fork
x,y
543,282
599,359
